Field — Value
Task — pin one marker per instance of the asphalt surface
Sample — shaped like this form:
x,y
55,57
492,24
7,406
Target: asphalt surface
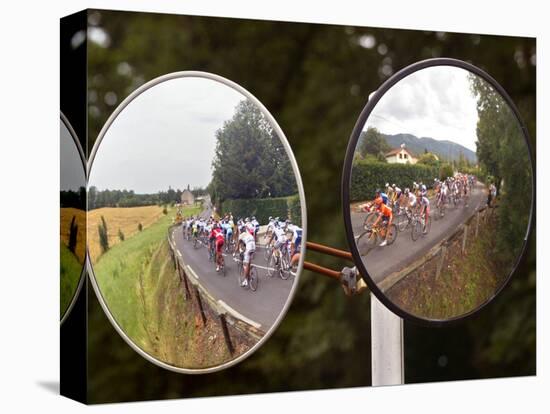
x,y
262,306
382,261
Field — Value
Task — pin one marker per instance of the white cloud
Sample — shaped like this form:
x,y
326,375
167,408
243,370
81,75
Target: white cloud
x,y
435,102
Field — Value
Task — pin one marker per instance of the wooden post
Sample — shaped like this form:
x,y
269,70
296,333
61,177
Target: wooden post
x,y
441,261
466,226
201,309
226,334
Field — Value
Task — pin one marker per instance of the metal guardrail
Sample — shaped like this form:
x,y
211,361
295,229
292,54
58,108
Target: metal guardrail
x,y
440,249
233,324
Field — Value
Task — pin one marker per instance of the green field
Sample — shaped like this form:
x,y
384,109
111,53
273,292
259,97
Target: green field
x,y
143,292
70,270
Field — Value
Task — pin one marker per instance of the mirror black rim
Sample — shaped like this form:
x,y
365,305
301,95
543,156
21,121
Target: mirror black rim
x,y
346,179
76,141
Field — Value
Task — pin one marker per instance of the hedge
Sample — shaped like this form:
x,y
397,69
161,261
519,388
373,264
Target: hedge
x,y
367,176
263,208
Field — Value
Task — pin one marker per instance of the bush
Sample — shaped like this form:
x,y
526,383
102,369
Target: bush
x,y
120,235
103,235
263,208
295,209
140,226
73,232
164,211
367,176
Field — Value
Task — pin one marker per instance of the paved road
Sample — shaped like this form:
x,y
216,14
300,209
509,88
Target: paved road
x,y
382,261
262,306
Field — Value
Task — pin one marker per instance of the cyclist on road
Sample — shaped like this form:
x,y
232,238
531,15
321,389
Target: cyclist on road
x,y
216,235
247,240
386,215
424,204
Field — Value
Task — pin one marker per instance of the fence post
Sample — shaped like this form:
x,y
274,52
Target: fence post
x,y
201,309
187,292
226,334
464,238
442,254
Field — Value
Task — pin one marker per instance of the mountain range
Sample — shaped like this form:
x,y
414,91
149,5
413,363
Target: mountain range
x,y
443,149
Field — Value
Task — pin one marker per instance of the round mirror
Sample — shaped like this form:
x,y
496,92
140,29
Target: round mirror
x,y
438,191
195,223
72,212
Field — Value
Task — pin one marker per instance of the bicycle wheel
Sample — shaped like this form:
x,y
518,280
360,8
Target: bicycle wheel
x,y
272,265
369,220
365,243
240,276
284,269
428,225
402,221
416,230
195,243
392,235
253,279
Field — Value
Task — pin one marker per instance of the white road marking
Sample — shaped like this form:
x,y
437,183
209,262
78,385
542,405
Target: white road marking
x,y
239,315
193,272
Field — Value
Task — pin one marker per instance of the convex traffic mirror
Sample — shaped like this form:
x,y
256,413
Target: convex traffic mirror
x,y
196,216
72,224
438,191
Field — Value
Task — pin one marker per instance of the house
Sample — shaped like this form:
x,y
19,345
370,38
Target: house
x,y
187,197
400,156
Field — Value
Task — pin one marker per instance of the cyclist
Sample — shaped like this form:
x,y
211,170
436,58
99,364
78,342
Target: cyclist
x,y
424,204
296,240
216,237
382,195
247,240
256,225
397,194
279,235
386,216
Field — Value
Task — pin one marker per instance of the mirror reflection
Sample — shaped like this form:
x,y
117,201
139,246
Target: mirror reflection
x,y
72,216
440,192
194,222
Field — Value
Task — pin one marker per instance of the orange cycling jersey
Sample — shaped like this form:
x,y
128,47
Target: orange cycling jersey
x,y
385,210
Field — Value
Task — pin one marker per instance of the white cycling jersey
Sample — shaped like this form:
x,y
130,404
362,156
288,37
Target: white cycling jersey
x,y
248,241
296,231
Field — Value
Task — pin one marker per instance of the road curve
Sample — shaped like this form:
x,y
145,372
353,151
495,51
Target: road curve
x,y
382,261
262,307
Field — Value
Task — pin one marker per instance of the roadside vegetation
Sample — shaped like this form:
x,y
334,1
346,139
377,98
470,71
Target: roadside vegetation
x,y
465,282
70,269
144,294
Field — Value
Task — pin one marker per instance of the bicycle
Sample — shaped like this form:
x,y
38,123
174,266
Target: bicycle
x,y
440,207
370,236
420,226
403,219
280,263
252,275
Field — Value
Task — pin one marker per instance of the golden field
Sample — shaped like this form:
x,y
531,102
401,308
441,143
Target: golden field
x,y
124,218
66,215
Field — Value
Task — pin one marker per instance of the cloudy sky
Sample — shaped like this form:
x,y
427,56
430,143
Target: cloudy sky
x,y
72,171
434,102
165,137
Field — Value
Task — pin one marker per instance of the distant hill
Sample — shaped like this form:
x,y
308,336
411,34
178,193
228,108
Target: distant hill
x,y
443,149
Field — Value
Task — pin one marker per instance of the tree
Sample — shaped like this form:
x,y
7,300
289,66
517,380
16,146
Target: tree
x,y
372,142
503,153
429,159
250,160
103,235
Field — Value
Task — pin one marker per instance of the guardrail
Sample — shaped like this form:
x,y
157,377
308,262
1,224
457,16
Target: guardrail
x,y
463,233
235,327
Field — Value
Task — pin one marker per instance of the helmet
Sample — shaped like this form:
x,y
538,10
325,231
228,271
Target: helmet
x,y
393,185
423,187
270,218
387,185
407,190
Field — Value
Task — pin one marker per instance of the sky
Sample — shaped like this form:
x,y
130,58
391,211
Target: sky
x,y
435,102
165,137
73,175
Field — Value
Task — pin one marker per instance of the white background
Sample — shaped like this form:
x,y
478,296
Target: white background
x,y
29,164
